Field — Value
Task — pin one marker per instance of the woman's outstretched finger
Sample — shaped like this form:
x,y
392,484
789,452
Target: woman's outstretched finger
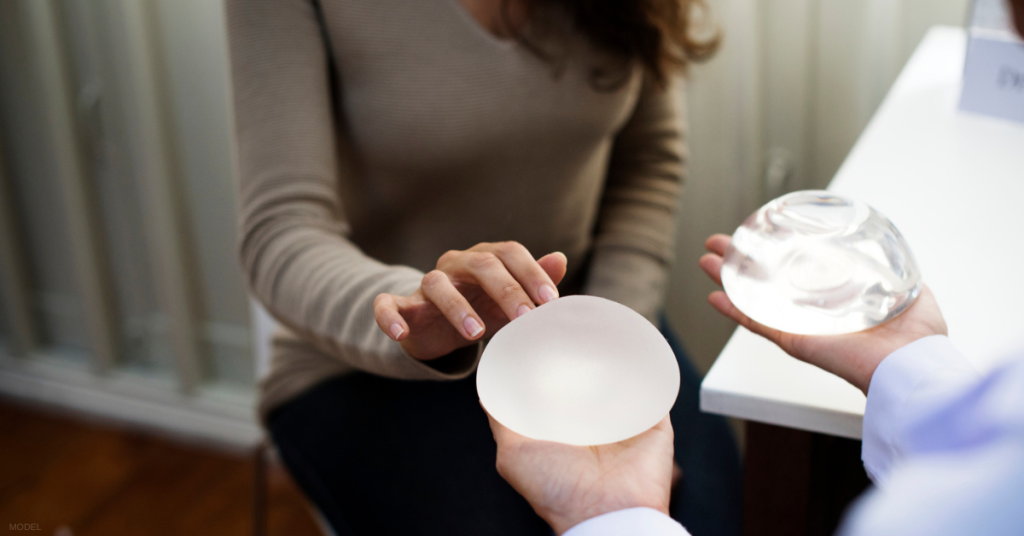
x,y
488,271
453,305
717,244
527,271
555,265
390,321
712,265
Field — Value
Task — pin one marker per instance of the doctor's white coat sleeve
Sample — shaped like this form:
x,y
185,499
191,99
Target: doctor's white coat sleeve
x,y
945,447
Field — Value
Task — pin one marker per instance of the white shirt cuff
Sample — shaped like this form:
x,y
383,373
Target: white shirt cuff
x,y
629,522
911,379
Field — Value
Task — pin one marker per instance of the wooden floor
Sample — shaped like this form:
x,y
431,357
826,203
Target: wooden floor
x,y
70,477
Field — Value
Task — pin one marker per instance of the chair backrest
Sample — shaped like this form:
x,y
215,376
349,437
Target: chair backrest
x,y
263,327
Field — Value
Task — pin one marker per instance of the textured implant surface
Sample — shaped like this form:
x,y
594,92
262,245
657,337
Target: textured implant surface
x,y
580,370
816,263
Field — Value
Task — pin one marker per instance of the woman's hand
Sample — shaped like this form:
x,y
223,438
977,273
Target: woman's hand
x,y
854,356
567,485
470,293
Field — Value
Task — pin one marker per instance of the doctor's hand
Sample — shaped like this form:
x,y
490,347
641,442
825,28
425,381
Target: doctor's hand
x,y
567,485
470,293
854,356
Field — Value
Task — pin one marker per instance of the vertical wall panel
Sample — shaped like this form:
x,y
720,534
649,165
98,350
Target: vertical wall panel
x,y
96,60
193,43
724,171
156,165
17,318
91,270
786,54
34,187
93,124
839,56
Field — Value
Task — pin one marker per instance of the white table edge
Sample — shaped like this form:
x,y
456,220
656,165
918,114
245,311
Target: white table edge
x,y
789,415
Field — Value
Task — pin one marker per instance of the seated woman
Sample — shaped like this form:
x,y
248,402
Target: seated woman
x,y
400,163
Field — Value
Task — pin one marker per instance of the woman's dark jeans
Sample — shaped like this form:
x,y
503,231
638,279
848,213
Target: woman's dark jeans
x,y
380,457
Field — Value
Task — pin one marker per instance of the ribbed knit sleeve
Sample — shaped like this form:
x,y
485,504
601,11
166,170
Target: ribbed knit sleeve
x,y
293,245
634,242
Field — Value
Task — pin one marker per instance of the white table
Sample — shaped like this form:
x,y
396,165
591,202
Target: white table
x,y
953,183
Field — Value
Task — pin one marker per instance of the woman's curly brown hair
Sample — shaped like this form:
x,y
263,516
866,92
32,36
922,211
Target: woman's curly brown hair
x,y
658,33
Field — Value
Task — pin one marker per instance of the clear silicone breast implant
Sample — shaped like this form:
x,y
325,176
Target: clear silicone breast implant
x,y
579,370
816,263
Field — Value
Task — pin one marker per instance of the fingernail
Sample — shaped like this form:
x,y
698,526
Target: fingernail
x,y
522,310
472,326
396,330
547,293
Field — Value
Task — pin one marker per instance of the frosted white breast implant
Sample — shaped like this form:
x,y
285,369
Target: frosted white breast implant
x,y
816,263
579,370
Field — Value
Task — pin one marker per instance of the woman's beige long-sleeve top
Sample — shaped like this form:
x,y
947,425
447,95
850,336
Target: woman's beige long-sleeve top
x,y
441,137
